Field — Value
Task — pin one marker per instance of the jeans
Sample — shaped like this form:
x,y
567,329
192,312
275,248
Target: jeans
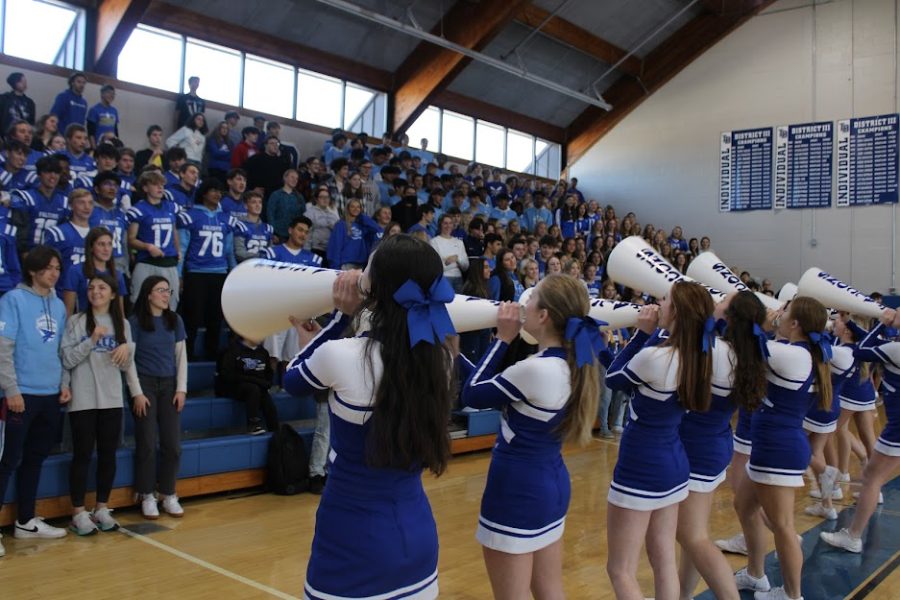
x,y
162,413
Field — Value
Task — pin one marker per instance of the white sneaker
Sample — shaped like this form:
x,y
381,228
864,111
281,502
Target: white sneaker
x,y
82,524
827,481
37,529
819,510
842,539
880,497
843,478
104,519
746,581
776,593
149,508
171,505
736,544
837,494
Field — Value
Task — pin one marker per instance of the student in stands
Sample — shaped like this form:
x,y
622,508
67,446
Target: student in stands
x,y
243,373
255,241
125,169
68,237
285,204
547,398
218,152
191,137
23,131
265,170
99,260
14,175
47,126
70,107
107,213
323,216
206,236
424,216
40,208
349,244
15,105
76,151
96,349
652,471
103,117
473,344
452,253
183,193
33,383
10,268
153,154
233,200
152,233
106,158
158,395
389,423
189,104
504,285
246,148
492,245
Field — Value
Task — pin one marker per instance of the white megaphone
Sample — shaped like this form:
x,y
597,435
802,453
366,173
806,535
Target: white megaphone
x,y
259,295
787,292
635,264
616,315
709,269
834,293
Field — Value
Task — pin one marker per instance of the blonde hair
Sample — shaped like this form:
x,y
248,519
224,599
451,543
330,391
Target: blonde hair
x,y
564,297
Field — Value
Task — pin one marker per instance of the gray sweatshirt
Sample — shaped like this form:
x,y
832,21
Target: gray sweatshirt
x,y
95,381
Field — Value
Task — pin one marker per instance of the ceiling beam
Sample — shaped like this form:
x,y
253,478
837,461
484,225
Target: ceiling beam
x,y
498,115
573,35
116,19
174,18
429,68
659,66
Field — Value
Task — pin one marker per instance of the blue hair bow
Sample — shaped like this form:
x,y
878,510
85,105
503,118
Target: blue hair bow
x,y
822,342
584,333
427,315
709,335
762,339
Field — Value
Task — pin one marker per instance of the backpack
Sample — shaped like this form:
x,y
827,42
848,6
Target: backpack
x,y
287,466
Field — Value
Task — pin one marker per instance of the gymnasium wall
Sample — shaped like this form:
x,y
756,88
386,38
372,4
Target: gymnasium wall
x,y
793,63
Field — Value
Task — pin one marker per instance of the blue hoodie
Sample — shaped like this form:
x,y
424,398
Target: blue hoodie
x,y
35,325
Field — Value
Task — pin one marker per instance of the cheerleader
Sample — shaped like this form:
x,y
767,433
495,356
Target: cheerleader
x,y
375,534
886,457
652,473
738,379
780,451
548,397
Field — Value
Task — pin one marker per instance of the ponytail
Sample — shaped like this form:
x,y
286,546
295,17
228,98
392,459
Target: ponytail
x,y
811,316
745,314
693,306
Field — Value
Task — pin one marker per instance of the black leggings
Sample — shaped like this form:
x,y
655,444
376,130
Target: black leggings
x,y
202,305
90,427
257,399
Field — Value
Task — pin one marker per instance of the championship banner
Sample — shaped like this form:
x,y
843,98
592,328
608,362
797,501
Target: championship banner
x,y
745,170
867,155
803,163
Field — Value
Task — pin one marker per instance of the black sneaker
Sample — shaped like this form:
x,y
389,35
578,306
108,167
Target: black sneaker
x,y
317,484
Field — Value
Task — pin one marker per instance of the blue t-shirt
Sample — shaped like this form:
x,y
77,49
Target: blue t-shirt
x,y
10,269
156,225
104,118
36,324
504,216
207,239
69,108
116,221
303,257
75,281
43,212
235,208
154,352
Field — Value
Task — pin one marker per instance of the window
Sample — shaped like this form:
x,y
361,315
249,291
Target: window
x,y
148,59
268,86
44,31
218,68
519,151
356,100
489,144
457,135
428,126
319,99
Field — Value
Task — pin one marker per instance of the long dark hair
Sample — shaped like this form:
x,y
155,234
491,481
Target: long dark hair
x,y
749,385
413,399
811,316
142,306
475,284
507,287
93,235
692,305
115,314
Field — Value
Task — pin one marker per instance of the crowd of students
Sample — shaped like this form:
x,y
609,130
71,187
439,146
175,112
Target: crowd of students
x,y
104,232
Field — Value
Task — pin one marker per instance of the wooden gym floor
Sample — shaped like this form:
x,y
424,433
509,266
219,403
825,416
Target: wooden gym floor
x,y
253,545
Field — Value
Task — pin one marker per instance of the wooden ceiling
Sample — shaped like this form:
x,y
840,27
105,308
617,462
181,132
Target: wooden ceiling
x,y
423,78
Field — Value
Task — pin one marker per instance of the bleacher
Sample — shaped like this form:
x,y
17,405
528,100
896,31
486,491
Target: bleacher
x,y
217,455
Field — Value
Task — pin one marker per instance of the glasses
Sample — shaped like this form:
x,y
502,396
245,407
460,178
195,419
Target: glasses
x,y
163,291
